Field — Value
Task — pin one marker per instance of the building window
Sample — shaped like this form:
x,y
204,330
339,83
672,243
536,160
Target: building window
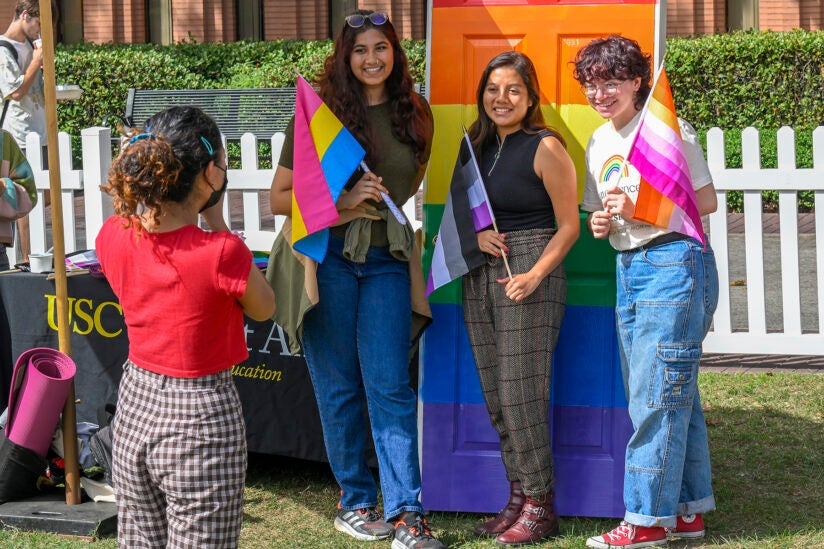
x,y
742,14
159,21
250,20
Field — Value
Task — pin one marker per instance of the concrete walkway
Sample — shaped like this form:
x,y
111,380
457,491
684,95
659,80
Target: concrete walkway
x,y
762,364
740,363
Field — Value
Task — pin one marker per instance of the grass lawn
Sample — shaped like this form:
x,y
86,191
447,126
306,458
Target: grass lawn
x,y
767,444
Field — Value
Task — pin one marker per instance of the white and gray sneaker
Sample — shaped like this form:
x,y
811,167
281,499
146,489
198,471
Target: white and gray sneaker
x,y
363,524
412,532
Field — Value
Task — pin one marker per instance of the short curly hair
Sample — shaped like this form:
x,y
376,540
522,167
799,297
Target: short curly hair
x,y
614,58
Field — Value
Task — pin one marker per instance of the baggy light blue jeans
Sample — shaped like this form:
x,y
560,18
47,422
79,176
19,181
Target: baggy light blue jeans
x,y
357,341
666,298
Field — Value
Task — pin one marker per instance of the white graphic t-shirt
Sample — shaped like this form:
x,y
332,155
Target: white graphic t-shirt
x,y
605,159
28,114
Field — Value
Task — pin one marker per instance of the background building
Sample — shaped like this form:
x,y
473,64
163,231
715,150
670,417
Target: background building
x,y
167,21
687,17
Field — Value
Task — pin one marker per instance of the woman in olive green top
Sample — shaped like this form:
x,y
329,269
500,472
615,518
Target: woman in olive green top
x,y
356,339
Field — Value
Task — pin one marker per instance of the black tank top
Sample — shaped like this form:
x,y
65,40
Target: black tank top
x,y
518,196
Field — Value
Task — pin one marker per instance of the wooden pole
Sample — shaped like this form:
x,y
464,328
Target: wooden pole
x,y
61,289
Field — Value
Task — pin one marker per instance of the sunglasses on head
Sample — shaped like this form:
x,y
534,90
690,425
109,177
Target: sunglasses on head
x,y
357,20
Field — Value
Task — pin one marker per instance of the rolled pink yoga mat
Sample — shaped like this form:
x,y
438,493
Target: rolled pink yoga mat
x,y
39,386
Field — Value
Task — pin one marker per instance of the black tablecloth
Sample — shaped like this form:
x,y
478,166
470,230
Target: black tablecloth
x,y
275,389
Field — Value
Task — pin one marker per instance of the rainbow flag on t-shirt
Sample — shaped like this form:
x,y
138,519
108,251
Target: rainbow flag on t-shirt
x,y
665,197
325,157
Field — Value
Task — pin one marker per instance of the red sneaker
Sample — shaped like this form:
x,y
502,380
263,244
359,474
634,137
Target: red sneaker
x,y
688,527
629,536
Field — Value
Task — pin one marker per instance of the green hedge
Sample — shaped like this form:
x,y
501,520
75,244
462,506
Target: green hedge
x,y
106,72
762,79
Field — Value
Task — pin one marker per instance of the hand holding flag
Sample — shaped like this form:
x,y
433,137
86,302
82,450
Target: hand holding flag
x,y
388,200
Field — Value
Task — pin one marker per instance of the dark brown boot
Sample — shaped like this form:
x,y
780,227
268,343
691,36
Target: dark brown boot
x,y
537,522
508,514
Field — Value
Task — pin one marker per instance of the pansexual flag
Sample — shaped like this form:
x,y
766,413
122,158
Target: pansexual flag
x,y
467,211
665,197
325,157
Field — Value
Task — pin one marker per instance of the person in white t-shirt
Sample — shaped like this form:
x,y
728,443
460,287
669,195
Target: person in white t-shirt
x,y
21,84
667,291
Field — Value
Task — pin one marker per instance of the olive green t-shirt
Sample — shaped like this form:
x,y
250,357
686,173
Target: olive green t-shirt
x,y
396,165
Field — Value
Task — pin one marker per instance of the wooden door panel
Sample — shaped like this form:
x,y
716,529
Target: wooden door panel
x,y
461,463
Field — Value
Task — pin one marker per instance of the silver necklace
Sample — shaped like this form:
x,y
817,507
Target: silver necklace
x,y
497,154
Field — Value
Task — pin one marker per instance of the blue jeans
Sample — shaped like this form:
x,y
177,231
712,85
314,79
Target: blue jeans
x,y
357,341
666,298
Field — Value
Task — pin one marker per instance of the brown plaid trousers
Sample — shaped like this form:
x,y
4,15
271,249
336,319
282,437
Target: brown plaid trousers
x,y
513,345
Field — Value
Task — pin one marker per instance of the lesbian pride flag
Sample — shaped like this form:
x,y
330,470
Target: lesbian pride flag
x,y
466,211
665,197
325,157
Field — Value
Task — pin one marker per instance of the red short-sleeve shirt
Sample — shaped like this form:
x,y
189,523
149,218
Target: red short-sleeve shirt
x,y
179,291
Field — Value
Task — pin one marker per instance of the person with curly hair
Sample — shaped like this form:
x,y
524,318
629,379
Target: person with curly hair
x,y
356,339
179,439
667,291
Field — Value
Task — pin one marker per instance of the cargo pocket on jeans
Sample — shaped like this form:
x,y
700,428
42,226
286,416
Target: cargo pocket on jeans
x,y
674,376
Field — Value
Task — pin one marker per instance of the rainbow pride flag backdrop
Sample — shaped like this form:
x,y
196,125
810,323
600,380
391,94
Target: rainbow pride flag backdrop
x,y
665,197
325,157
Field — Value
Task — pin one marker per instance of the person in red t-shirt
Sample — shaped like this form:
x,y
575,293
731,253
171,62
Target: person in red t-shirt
x,y
179,441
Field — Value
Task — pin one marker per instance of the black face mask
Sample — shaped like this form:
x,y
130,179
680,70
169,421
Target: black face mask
x,y
214,198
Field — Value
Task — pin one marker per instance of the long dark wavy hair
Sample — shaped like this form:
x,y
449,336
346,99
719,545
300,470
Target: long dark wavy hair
x,y
483,131
161,163
614,58
343,93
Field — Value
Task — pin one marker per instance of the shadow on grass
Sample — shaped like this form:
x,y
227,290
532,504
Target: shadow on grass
x,y
767,472
766,442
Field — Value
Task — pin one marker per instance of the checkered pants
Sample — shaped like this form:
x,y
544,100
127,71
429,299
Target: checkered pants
x,y
513,344
179,460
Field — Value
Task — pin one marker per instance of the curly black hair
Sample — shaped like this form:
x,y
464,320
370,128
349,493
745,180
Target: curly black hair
x,y
614,58
161,163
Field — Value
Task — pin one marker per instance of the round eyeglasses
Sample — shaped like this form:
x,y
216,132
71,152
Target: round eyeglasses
x,y
608,88
357,20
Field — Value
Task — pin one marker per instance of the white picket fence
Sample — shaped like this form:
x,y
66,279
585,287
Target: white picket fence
x,y
249,180
758,334
752,179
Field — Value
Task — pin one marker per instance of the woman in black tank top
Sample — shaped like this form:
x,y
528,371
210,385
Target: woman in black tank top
x,y
513,305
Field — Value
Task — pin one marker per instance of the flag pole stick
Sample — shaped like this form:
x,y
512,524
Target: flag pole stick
x,y
69,421
388,200
503,253
486,198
